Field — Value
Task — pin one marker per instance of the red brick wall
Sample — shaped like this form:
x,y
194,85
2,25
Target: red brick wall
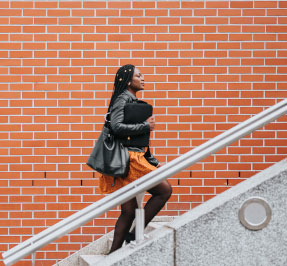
x,y
207,65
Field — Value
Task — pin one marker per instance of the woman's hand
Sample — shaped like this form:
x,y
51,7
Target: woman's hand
x,y
151,121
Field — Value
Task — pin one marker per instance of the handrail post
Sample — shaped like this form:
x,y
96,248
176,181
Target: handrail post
x,y
33,256
33,259
140,218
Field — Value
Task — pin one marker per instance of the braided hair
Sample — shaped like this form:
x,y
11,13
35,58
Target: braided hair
x,y
123,76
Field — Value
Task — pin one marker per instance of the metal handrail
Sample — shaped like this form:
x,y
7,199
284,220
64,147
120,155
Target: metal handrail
x,y
146,182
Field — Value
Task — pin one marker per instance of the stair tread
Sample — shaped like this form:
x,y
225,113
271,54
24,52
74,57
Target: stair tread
x,y
156,225
90,259
163,219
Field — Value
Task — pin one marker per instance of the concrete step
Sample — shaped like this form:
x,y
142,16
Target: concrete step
x,y
103,245
110,241
86,260
155,224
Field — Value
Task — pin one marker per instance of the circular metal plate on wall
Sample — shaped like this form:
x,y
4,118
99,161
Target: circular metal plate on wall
x,y
255,213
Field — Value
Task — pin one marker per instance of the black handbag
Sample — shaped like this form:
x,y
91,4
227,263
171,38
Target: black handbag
x,y
109,156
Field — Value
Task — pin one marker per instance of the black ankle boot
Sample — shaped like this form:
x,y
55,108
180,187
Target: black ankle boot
x,y
130,237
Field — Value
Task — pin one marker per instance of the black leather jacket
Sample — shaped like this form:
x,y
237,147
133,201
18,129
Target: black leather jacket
x,y
124,130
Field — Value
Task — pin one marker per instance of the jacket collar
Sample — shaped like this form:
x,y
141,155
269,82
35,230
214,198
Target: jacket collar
x,y
131,95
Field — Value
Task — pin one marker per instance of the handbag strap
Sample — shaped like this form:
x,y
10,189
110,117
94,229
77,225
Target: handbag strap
x,y
108,121
108,125
107,117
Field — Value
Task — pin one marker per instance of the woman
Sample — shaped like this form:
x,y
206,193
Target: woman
x,y
128,82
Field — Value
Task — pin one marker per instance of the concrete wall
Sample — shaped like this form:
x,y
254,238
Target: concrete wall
x,y
213,235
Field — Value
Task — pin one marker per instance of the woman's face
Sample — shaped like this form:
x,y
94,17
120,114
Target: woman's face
x,y
137,82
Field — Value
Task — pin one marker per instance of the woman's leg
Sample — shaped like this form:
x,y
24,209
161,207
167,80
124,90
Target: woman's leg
x,y
124,223
160,195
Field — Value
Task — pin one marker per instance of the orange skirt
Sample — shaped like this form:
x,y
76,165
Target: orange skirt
x,y
139,167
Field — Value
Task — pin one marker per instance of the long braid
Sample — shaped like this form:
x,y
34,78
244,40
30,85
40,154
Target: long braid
x,y
123,77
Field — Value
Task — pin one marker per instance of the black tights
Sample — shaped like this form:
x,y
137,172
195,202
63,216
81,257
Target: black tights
x,y
160,195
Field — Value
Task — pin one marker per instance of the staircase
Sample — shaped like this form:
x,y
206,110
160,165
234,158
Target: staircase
x,y
210,234
96,252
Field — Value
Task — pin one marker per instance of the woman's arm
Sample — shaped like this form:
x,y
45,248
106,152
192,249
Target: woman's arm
x,y
151,159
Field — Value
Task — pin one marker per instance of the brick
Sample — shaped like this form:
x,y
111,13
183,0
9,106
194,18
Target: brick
x,y
58,12
276,12
192,37
204,29
95,4
202,190
277,45
35,62
10,62
265,4
217,4
180,46
4,37
253,12
44,70
43,38
217,54
46,4
83,29
205,12
216,37
34,29
107,12
281,150
10,12
229,12
252,78
69,198
281,4
164,20
91,21
253,29
156,29
229,29
120,4
265,20
215,182
204,62
82,13
58,29
21,21
242,20
72,37
155,46
132,13
120,21
195,4
274,142
241,4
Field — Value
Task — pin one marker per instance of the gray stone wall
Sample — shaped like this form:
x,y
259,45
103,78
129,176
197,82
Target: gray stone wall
x,y
212,235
